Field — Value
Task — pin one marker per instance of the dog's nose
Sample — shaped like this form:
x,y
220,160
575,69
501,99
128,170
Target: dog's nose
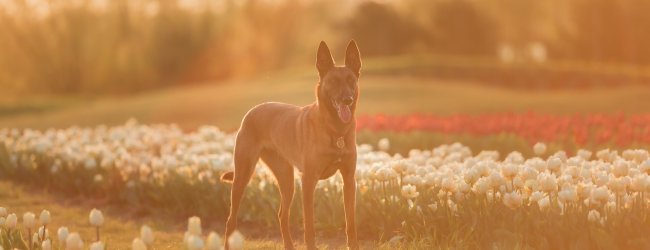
x,y
347,100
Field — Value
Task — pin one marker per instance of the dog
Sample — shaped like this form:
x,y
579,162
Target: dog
x,y
318,139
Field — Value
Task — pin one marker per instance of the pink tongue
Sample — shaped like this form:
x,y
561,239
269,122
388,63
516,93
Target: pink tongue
x,y
344,113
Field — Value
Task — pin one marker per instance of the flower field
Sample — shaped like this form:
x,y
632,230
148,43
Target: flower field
x,y
448,196
573,130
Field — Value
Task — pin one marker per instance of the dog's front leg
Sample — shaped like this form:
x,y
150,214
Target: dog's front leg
x,y
349,199
308,188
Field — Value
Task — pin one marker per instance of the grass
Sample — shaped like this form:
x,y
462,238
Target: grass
x,y
224,104
122,224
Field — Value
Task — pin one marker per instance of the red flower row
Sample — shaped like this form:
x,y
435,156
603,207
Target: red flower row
x,y
599,128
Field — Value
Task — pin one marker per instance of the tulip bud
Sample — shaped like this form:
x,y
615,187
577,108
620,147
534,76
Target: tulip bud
x,y
46,245
194,226
383,144
97,246
214,241
195,243
62,234
138,244
96,218
539,148
236,241
45,217
3,212
28,220
74,242
43,233
147,235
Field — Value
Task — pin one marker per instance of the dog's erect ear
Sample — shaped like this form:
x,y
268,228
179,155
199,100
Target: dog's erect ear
x,y
324,60
353,58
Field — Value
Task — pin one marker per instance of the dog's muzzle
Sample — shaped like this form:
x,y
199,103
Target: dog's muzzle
x,y
344,108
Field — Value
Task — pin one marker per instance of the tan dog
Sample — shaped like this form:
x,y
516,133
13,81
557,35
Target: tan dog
x,y
318,139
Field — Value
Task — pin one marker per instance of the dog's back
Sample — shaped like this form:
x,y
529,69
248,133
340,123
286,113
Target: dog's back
x,y
272,126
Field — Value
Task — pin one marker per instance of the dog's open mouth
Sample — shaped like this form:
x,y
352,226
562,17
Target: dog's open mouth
x,y
344,112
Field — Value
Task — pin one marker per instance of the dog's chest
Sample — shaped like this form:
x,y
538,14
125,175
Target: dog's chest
x,y
337,155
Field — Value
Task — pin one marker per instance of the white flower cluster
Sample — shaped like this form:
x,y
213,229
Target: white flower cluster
x,y
607,179
72,241
139,152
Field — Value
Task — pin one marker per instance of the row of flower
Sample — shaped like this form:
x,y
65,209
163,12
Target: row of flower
x,y
34,234
445,194
596,129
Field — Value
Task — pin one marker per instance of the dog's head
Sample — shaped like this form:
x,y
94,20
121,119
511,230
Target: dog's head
x,y
337,90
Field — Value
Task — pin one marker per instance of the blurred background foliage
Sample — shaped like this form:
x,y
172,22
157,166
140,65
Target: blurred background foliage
x,y
122,46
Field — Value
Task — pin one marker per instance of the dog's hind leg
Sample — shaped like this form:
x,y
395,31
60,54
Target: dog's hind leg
x,y
283,172
246,155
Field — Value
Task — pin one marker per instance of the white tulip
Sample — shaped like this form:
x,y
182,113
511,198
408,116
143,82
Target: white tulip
x,y
28,220
512,200
74,242
147,235
620,169
481,186
496,180
448,185
600,194
584,154
43,233
46,245
544,203
194,226
96,218
138,244
214,241
383,144
535,197
568,194
45,217
547,182
97,246
509,170
195,243
554,164
539,148
409,191
236,241
62,234
3,212
618,185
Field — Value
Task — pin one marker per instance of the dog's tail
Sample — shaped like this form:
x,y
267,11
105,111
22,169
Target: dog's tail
x,y
227,177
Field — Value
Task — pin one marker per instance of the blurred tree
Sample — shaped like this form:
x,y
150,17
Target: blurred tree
x,y
610,30
460,28
382,30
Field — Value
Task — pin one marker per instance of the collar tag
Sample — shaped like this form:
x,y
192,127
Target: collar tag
x,y
340,143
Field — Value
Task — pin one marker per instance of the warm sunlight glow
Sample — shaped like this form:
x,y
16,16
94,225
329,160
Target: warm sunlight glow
x,y
324,124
